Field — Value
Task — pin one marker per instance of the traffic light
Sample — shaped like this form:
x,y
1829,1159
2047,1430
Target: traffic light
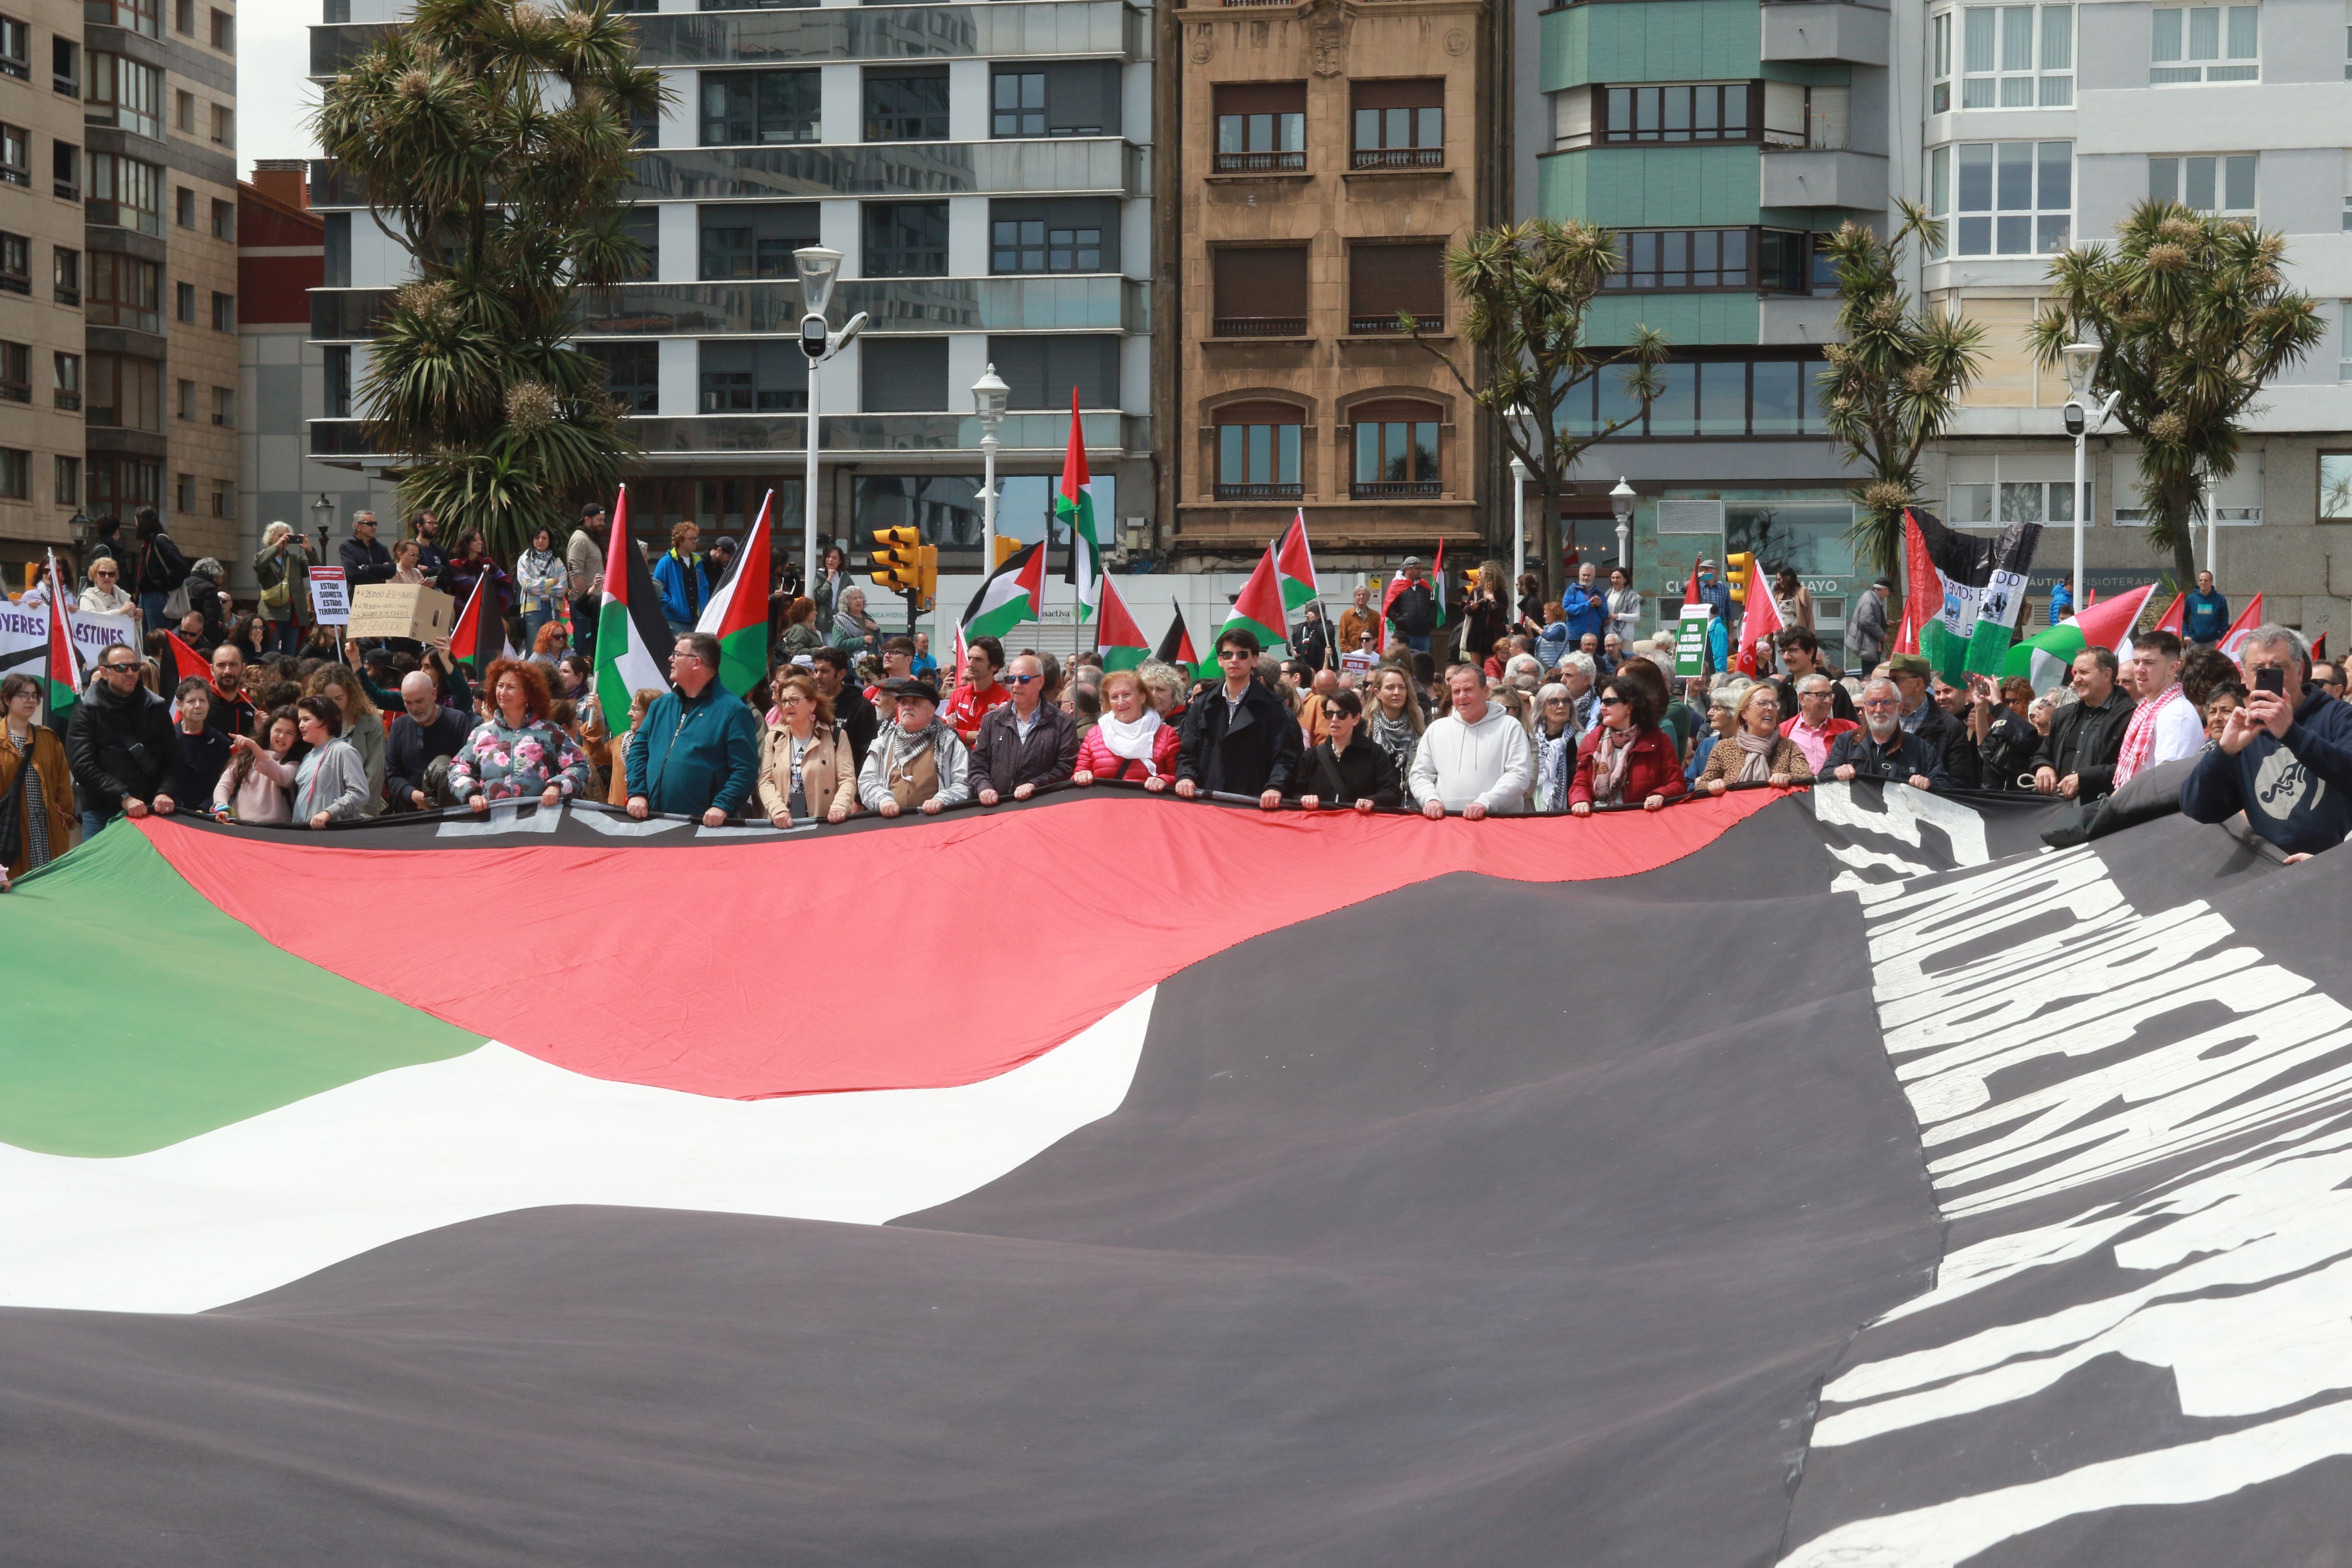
x,y
1740,565
895,557
926,574
1006,547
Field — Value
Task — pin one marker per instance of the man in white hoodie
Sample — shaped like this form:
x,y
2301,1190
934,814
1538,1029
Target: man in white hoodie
x,y
1476,759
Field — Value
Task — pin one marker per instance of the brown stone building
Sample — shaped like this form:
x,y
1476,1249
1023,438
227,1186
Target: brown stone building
x,y
1315,159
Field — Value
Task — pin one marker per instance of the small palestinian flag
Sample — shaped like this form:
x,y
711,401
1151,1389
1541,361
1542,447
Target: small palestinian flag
x,y
1257,608
1437,582
63,663
1294,563
1117,636
1074,508
2046,660
187,661
1011,594
632,641
737,612
479,637
2235,637
1176,645
1980,586
2174,615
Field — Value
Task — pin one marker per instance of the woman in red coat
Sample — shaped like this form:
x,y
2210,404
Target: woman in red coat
x,y
1131,741
1627,757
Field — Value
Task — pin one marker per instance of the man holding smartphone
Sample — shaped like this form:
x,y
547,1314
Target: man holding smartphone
x,y
2284,758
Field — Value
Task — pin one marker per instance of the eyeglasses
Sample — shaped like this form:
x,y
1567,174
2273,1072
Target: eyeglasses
x,y
1225,653
1615,702
1019,679
1879,703
117,668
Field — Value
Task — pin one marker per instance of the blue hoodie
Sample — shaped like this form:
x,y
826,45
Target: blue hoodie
x,y
2296,793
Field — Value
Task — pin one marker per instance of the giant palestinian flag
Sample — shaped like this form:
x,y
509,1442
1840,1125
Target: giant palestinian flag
x,y
1995,1215
1982,584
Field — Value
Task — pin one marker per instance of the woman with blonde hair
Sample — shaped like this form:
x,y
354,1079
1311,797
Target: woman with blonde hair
x,y
1755,752
617,792
1167,687
1395,720
805,766
1130,740
362,724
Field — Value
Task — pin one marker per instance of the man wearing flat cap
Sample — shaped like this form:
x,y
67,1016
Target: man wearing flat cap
x,y
916,763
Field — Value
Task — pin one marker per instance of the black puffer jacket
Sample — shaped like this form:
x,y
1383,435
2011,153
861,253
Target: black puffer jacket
x,y
2085,741
122,747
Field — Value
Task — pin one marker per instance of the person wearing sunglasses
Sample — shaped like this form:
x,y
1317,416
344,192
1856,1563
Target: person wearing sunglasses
x,y
1237,737
125,759
105,594
1026,742
1627,759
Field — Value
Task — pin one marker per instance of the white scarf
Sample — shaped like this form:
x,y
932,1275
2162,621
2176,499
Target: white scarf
x,y
1132,742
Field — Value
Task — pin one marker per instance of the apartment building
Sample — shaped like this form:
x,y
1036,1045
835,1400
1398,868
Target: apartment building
x,y
118,273
1319,158
985,171
1720,136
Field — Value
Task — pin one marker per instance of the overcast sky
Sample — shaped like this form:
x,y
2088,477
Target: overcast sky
x,y
274,93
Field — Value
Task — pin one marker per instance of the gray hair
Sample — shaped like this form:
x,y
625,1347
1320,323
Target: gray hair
x,y
1816,681
1877,681
1551,689
1729,694
1523,663
274,533
2272,635
1580,661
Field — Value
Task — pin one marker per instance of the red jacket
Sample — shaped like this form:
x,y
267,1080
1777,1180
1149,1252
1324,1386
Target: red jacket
x,y
969,705
1095,758
1653,769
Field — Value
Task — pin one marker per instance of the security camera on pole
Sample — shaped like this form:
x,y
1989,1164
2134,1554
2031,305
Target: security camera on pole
x,y
818,267
2081,365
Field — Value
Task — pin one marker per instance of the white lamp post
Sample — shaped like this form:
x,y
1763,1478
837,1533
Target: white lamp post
x,y
818,267
1518,415
1621,502
2213,518
2081,363
989,395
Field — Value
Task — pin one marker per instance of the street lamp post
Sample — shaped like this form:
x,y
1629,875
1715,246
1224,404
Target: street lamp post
x,y
1621,502
818,267
1517,415
2081,364
989,395
2213,518
322,516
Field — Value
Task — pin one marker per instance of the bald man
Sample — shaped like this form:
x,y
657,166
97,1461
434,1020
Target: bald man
x,y
425,732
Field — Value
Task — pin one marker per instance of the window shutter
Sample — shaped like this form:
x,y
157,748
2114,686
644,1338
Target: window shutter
x,y
1261,98
1384,280
904,375
1262,282
1419,92
1261,413
1396,410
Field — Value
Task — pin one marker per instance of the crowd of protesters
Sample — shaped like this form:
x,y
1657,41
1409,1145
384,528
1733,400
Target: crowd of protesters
x,y
1506,704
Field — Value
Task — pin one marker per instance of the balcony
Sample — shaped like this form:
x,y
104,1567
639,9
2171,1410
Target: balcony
x,y
1108,433
1260,162
1260,492
1397,158
1396,490
1391,325
1825,30
1258,326
1800,177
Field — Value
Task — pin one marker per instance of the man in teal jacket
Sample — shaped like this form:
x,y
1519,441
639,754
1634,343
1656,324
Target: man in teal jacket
x,y
697,751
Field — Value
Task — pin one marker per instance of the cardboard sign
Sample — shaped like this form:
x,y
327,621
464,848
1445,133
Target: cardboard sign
x,y
410,610
1690,640
331,597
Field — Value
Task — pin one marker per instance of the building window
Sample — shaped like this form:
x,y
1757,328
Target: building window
x,y
1042,370
15,155
15,50
633,374
1683,258
184,492
2010,56
15,264
643,225
131,15
1077,98
904,375
67,373
747,108
1257,452
186,408
183,18
1396,451
225,407
184,302
124,291
124,392
770,376
2221,184
905,105
67,482
338,382
125,193
16,474
184,207
224,311
905,239
2205,43
1261,127
224,491
2000,502
1260,292
755,240
65,171
337,243
1753,397
1388,281
184,113
2003,198
225,37
1076,235
124,93
1710,111
223,125
1399,124
65,275
15,372
225,220
2335,486
65,66
120,485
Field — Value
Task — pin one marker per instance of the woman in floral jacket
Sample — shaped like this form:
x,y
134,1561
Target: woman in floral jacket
x,y
518,752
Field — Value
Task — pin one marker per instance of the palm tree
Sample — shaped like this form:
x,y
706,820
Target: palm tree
x,y
1895,383
2192,315
1528,286
493,141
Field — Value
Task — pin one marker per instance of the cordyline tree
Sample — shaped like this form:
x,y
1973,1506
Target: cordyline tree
x,y
1894,383
2192,315
1528,286
492,139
